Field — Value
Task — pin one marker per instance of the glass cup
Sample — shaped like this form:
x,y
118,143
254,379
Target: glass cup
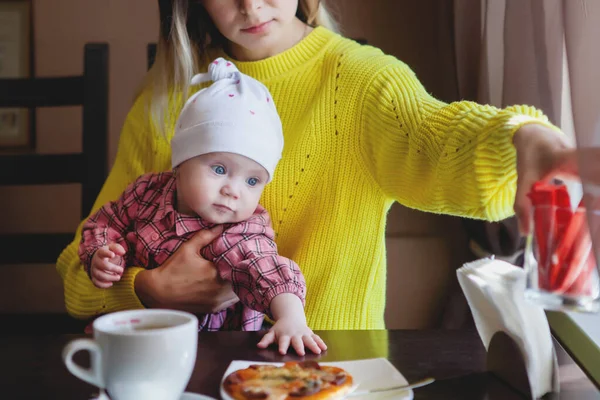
x,y
562,273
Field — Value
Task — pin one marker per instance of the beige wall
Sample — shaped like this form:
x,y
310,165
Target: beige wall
x,y
424,250
416,31
62,27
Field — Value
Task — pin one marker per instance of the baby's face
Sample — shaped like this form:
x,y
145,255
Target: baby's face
x,y
220,187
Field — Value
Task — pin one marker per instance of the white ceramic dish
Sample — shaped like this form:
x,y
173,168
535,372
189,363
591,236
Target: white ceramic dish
x,y
184,396
367,374
195,396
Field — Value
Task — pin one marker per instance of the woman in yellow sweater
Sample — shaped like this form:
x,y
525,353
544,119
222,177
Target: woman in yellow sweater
x,y
361,132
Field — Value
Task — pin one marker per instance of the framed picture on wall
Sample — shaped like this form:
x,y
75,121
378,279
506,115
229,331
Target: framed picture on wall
x,y
16,124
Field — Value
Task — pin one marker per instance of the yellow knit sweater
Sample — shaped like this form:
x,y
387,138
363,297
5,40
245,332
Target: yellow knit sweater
x,y
360,133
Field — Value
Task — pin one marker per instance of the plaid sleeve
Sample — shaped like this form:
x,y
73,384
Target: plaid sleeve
x,y
246,255
110,224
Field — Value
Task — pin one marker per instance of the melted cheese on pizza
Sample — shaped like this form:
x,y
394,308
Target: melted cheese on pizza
x,y
292,381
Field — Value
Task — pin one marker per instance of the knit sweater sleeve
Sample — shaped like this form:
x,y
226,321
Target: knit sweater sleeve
x,y
134,158
455,158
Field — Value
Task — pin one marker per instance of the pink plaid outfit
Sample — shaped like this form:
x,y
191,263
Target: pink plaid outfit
x,y
144,221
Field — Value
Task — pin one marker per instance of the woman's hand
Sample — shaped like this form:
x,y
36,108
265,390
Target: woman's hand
x,y
542,153
186,281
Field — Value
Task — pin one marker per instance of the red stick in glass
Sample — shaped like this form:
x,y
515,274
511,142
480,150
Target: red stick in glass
x,y
552,215
569,256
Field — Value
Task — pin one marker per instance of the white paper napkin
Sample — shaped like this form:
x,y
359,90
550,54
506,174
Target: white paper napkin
x,y
495,292
367,374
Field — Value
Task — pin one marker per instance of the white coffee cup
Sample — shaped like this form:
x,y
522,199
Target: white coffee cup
x,y
139,354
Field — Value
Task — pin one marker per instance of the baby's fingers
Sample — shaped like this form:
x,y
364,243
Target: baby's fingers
x,y
298,345
267,340
319,342
103,276
311,344
284,344
104,252
117,249
109,267
101,284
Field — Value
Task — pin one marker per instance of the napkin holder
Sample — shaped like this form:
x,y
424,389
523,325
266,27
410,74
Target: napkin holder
x,y
506,361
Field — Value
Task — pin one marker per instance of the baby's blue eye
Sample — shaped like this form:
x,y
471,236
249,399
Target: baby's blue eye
x,y
219,169
252,181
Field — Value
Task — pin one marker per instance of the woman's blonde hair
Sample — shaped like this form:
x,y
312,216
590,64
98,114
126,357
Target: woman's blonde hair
x,y
186,33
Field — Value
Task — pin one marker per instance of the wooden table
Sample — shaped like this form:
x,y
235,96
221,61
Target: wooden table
x,y
31,366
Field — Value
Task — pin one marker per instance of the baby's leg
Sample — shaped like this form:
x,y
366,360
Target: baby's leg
x,y
241,318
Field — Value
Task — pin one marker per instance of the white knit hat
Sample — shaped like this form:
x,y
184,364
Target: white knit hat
x,y
236,114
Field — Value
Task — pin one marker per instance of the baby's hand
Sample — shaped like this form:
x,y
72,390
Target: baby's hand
x,y
290,330
106,265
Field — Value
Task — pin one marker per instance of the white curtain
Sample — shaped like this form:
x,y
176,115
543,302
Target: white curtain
x,y
544,53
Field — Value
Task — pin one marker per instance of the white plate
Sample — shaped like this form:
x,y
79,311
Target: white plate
x,y
195,396
367,374
184,396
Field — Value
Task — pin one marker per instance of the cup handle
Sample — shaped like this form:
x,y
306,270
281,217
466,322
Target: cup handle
x,y
91,375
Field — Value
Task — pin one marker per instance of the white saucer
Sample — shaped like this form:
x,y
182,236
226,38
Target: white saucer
x,y
195,396
184,396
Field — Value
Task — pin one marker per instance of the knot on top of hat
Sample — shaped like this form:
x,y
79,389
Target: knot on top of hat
x,y
234,114
217,70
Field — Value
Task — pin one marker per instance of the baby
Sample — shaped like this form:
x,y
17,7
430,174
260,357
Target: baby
x,y
228,140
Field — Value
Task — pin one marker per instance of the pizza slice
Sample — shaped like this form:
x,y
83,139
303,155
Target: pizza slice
x,y
305,380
